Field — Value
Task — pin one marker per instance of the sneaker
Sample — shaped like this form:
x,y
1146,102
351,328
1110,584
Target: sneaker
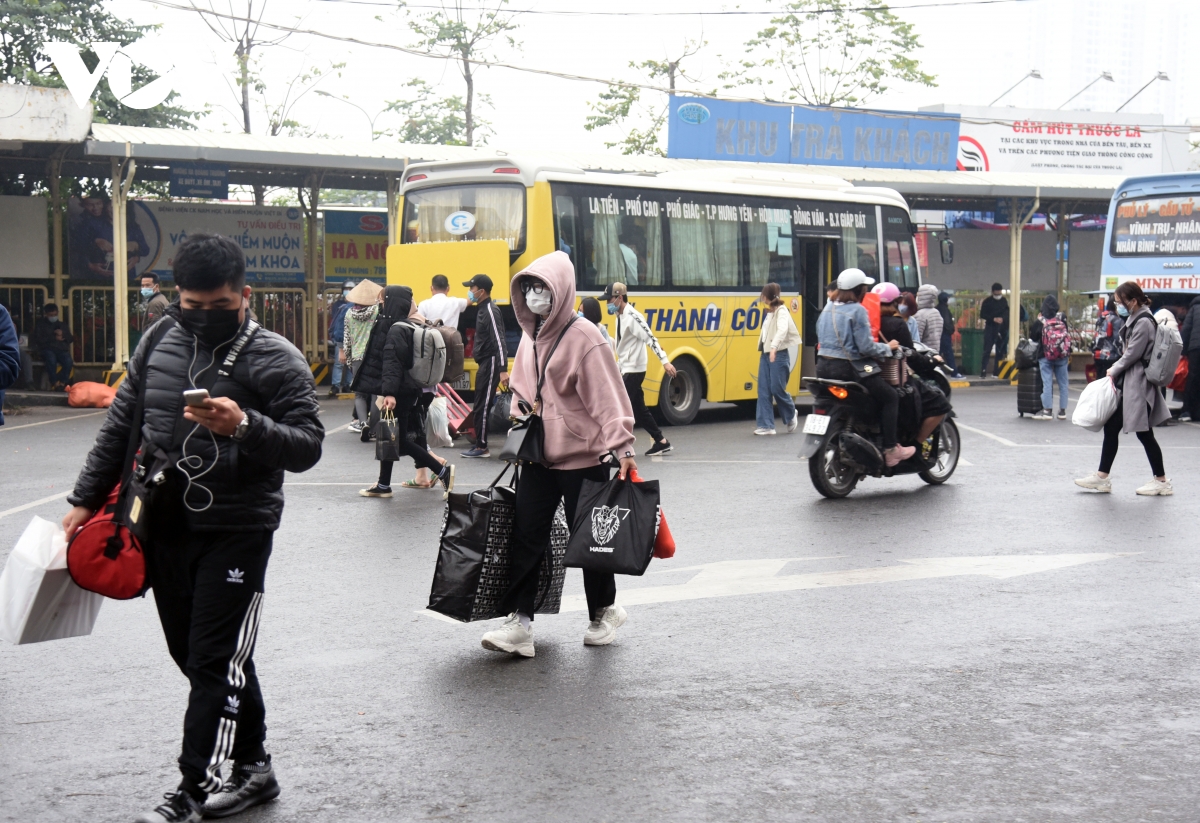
x,y
1096,482
1062,414
476,452
365,434
603,630
1161,488
446,478
795,424
761,431
356,426
1185,418
1044,414
334,391
249,785
376,491
511,637
897,454
661,447
180,807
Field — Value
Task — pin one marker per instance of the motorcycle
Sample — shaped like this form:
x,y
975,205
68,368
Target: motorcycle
x,y
843,443
928,364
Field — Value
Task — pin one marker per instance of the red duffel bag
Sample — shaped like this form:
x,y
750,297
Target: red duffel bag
x,y
104,557
1179,381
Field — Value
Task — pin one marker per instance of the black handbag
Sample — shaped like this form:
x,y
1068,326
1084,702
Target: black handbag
x,y
500,417
474,565
387,436
616,524
527,435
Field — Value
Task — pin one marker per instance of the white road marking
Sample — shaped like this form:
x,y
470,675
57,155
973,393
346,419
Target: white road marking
x,y
55,420
34,504
740,577
1002,441
962,461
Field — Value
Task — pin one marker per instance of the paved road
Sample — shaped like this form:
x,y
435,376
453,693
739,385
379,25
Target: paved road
x,y
1004,647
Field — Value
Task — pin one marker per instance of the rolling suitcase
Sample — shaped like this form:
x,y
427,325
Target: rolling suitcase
x,y
1029,391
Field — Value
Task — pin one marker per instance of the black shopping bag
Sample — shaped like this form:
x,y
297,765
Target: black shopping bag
x,y
473,569
500,417
387,437
616,523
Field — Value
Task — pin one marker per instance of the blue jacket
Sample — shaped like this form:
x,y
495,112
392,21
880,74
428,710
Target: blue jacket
x,y
10,356
844,332
337,321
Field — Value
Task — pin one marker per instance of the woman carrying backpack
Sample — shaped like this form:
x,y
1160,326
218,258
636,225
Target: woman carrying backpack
x,y
1050,332
1108,341
1142,406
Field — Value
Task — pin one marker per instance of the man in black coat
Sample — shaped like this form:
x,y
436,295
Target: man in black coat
x,y
213,514
994,313
1190,332
490,356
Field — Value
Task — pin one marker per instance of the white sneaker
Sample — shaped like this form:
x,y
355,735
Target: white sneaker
x,y
1096,482
1044,414
603,631
760,430
1162,488
511,637
791,427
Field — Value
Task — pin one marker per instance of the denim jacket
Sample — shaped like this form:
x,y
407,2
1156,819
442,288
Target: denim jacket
x,y
844,332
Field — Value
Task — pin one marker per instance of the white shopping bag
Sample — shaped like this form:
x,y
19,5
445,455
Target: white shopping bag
x,y
1097,404
38,599
437,425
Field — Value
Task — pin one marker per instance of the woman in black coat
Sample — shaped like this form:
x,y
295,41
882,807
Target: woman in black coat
x,y
384,372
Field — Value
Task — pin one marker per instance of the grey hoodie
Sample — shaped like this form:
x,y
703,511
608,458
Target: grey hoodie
x,y
929,319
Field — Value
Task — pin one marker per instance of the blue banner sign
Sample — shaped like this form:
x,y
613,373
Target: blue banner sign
x,y
200,180
704,129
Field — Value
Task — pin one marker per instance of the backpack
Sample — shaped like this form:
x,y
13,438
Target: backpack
x,y
1106,342
1056,340
454,352
1163,359
428,356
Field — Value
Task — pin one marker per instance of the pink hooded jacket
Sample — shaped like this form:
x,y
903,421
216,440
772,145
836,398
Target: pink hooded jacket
x,y
585,410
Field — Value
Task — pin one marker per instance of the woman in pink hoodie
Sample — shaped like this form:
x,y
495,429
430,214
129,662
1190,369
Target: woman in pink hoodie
x,y
585,414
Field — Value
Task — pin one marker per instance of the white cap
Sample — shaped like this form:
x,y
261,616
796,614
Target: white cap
x,y
852,279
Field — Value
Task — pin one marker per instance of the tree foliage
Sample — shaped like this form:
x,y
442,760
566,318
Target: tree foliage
x,y
465,33
827,53
27,25
431,119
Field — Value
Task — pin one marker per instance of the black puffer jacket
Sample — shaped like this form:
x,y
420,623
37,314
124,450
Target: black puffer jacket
x,y
397,360
271,382
397,303
1190,332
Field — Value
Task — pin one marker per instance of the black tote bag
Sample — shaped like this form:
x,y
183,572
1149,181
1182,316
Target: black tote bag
x,y
616,523
473,569
387,437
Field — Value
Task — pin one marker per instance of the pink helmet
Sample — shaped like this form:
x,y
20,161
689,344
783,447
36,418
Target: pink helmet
x,y
888,292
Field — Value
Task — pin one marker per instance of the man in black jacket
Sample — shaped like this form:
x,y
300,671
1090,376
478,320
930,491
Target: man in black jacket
x,y
1190,332
994,313
491,357
212,517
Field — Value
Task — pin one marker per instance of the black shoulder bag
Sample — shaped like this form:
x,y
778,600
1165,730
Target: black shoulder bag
x,y
526,437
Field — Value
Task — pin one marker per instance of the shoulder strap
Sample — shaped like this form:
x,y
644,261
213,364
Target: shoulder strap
x,y
139,408
541,372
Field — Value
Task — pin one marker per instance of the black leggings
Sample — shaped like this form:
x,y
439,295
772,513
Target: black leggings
x,y
1112,431
834,368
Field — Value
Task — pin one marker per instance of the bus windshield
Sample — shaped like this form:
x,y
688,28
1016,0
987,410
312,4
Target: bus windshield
x,y
469,212
1156,226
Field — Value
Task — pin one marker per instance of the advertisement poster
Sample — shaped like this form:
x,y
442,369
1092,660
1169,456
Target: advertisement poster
x,y
355,245
1068,142
271,238
705,129
24,233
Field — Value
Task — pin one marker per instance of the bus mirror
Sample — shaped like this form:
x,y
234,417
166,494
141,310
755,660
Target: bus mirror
x,y
947,251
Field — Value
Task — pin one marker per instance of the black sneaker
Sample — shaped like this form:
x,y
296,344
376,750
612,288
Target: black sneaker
x,y
365,434
249,785
661,447
180,807
376,491
446,478
334,391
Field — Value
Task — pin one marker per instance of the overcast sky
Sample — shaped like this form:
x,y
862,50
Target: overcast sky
x,y
975,50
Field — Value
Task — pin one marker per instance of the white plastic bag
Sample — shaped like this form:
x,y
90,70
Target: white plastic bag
x,y
437,425
38,599
1097,403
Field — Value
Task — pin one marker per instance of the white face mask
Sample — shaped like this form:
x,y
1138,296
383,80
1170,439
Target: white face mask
x,y
539,304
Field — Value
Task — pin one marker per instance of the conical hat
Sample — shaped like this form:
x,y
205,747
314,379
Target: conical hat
x,y
365,293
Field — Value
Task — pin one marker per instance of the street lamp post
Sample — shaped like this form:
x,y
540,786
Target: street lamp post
x,y
366,114
1104,75
1034,73
1162,75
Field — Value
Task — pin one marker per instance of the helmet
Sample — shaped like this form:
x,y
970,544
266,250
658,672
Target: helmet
x,y
888,292
852,279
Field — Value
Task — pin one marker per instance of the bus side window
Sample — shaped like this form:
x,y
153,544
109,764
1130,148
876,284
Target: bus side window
x,y
772,255
622,247
565,219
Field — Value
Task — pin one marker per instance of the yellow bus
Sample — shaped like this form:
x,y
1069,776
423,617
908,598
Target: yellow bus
x,y
695,248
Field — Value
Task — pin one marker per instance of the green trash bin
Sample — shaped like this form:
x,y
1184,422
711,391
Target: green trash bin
x,y
972,351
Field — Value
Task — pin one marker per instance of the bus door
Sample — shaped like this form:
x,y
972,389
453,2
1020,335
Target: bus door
x,y
819,258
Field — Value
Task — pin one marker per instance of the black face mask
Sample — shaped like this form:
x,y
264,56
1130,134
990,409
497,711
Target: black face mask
x,y
214,327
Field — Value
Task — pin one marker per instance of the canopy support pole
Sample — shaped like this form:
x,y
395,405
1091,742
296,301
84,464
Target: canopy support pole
x,y
56,260
312,336
1016,224
122,179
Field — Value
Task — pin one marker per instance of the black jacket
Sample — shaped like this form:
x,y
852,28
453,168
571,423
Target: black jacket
x,y
43,335
489,333
1190,331
397,360
992,308
397,303
271,382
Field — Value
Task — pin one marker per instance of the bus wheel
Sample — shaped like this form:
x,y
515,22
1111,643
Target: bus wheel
x,y
680,396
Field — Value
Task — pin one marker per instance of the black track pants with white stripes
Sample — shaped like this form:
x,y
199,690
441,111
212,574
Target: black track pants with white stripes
x,y
485,394
208,589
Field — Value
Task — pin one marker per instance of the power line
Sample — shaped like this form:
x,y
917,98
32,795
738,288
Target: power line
x,y
723,13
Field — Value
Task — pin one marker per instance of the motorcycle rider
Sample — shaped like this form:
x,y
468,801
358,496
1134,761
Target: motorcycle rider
x,y
925,401
848,351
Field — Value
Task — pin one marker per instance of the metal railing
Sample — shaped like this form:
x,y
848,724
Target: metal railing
x,y
1080,310
24,303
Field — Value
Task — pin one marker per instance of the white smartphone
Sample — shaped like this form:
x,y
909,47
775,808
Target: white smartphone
x,y
195,397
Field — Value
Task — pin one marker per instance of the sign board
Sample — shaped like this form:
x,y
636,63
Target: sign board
x,y
1068,142
271,238
707,129
41,115
23,236
200,180
355,245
